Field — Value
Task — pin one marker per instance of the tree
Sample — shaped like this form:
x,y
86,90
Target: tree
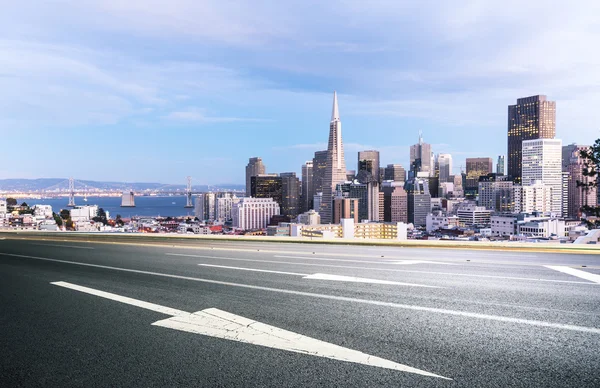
x,y
100,217
57,219
65,214
591,169
24,204
11,202
70,224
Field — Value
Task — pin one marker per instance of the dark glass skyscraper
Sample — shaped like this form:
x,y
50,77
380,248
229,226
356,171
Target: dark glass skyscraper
x,y
531,118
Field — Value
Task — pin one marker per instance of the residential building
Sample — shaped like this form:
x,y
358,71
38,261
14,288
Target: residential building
x,y
205,207
41,211
336,164
418,201
224,205
83,213
421,158
368,161
395,203
578,195
254,167
310,217
440,220
471,215
307,186
395,172
531,118
444,162
290,190
254,213
500,165
542,161
345,208
536,197
496,193
476,167
267,186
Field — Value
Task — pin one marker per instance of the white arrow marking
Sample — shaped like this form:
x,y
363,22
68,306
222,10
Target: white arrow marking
x,y
221,324
420,262
575,272
323,276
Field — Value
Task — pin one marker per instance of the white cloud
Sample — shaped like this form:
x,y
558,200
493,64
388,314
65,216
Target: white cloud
x,y
197,115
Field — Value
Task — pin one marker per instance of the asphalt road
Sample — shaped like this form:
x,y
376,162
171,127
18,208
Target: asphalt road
x,y
471,318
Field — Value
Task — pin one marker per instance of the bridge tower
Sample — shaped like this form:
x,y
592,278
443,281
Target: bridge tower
x,y
188,193
71,193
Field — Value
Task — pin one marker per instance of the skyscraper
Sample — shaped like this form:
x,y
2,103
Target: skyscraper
x,y
421,157
531,118
290,190
267,186
444,162
395,172
476,167
500,165
542,161
319,167
335,171
307,186
255,167
395,205
368,161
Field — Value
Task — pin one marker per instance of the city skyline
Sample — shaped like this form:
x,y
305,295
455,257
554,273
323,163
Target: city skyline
x,y
167,93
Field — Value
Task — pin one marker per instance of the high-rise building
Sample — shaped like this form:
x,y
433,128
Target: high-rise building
x,y
566,178
335,171
577,194
500,165
541,161
223,205
350,175
254,167
496,193
267,186
290,191
369,161
307,186
319,167
476,167
418,201
536,197
421,158
205,207
567,152
366,193
395,172
345,208
531,118
395,203
254,213
444,162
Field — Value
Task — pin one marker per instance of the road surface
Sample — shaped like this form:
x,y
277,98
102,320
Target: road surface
x,y
295,315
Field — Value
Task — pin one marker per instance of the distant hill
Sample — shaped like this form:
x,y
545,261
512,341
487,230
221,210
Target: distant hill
x,y
63,184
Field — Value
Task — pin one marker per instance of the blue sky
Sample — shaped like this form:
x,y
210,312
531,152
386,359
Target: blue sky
x,y
157,90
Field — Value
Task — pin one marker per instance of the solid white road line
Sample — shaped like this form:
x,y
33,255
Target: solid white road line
x,y
63,246
253,269
323,276
465,314
122,299
575,272
340,278
420,262
221,324
383,269
323,259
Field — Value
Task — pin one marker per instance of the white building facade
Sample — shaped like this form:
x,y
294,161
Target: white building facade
x,y
536,197
254,213
224,205
542,161
473,215
83,213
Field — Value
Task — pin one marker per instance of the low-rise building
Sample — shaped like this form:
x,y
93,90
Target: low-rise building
x,y
310,217
44,211
470,215
440,220
254,213
544,228
83,213
3,207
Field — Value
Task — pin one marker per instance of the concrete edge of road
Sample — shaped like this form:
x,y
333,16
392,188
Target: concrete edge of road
x,y
138,238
